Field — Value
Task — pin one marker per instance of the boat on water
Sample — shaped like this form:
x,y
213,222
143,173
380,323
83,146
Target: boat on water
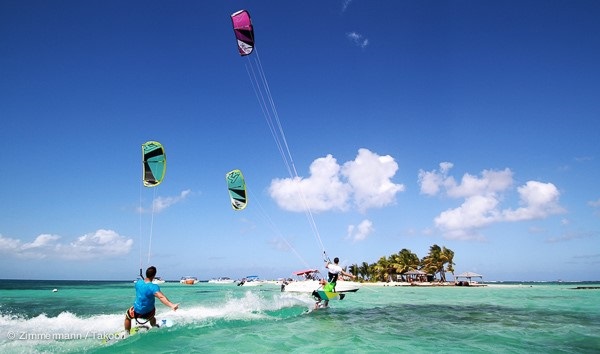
x,y
221,280
251,280
188,280
158,280
306,281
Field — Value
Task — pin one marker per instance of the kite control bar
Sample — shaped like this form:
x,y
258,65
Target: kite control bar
x,y
325,258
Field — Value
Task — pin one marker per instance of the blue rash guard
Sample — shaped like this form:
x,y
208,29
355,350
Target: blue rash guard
x,y
144,296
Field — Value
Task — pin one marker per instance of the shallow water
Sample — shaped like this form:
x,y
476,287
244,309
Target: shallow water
x,y
507,318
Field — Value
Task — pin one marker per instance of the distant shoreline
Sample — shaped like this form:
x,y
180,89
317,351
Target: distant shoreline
x,y
491,282
484,284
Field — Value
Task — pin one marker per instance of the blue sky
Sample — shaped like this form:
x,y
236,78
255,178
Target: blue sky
x,y
468,124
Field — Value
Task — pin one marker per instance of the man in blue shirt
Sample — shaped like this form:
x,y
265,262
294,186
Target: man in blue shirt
x,y
143,307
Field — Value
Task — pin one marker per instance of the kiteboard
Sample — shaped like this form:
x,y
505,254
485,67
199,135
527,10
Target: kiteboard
x,y
323,297
329,295
120,335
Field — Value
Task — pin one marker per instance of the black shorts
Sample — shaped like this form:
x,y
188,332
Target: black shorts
x,y
131,314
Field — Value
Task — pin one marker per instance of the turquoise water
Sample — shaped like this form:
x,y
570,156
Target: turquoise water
x,y
500,318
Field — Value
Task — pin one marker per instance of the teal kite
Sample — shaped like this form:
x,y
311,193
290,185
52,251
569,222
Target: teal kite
x,y
154,163
237,189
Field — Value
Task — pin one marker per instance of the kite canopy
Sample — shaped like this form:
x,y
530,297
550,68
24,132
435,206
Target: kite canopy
x,y
244,32
237,189
154,163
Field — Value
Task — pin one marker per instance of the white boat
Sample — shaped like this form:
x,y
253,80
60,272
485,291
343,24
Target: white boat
x,y
158,280
308,280
222,280
188,280
251,280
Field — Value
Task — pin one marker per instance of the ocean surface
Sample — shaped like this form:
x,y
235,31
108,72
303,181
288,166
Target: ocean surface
x,y
216,318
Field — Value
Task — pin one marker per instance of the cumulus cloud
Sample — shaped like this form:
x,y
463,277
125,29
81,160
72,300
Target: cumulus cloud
x,y
42,241
358,39
361,231
363,183
99,244
482,196
538,199
370,177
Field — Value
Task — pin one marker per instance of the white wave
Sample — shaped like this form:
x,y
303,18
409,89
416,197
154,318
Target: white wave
x,y
68,331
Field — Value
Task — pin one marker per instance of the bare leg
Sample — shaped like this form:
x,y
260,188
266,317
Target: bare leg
x,y
127,324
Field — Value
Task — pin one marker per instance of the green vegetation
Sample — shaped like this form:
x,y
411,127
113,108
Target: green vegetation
x,y
438,261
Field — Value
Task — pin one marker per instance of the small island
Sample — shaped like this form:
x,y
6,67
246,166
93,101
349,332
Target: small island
x,y
405,268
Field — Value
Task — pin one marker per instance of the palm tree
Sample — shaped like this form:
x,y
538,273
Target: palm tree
x,y
439,260
432,263
364,271
402,261
381,269
354,269
448,256
436,260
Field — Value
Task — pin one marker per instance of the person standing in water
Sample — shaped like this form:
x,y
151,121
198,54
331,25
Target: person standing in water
x,y
143,306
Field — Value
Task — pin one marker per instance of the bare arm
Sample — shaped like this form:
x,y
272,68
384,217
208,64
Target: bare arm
x,y
348,274
166,301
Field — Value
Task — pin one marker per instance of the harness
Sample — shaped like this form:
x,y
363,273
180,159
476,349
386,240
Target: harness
x,y
332,277
136,316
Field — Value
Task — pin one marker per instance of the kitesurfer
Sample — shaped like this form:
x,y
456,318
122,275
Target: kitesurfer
x,y
143,307
334,270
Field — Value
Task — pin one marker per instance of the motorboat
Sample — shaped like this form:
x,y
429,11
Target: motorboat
x,y
251,280
188,280
221,280
158,280
306,281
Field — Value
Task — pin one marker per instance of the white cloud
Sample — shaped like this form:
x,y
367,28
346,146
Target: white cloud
x,y
358,39
370,177
161,203
363,183
9,245
360,232
538,199
323,190
491,182
482,198
100,244
44,240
